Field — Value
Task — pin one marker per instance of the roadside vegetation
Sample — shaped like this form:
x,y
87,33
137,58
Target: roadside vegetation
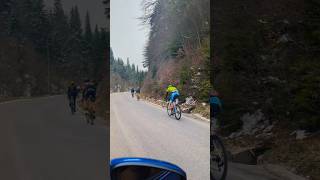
x,y
266,66
178,49
43,49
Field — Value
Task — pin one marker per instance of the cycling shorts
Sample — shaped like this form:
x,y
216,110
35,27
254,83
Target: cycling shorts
x,y
174,95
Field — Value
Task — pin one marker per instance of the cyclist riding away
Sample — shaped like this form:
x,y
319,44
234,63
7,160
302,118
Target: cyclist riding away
x,y
89,95
138,93
72,96
174,94
132,92
215,108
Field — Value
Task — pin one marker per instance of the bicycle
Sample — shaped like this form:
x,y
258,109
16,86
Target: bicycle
x,y
218,159
176,110
90,117
90,112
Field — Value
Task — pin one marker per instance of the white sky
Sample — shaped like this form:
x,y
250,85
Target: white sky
x,y
128,36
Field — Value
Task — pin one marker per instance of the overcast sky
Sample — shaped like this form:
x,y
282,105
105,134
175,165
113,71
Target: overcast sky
x,y
128,36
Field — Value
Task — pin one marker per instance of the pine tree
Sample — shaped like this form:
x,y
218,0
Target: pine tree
x,y
5,8
60,33
39,25
88,32
107,8
75,22
128,63
96,35
58,9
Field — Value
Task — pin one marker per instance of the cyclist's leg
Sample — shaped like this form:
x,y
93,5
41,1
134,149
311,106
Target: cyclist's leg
x,y
73,103
171,100
92,111
92,106
69,100
174,96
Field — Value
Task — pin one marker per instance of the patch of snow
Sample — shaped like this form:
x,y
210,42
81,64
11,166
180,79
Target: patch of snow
x,y
284,38
250,121
300,134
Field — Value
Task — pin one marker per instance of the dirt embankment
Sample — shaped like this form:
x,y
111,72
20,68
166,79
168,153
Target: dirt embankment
x,y
297,152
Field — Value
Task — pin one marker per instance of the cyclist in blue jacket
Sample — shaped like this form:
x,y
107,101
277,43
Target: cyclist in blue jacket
x,y
215,108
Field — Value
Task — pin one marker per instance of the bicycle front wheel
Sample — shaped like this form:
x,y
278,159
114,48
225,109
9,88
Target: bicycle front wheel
x,y
219,159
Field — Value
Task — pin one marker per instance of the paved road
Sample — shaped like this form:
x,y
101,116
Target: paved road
x,y
144,130
141,129
41,140
266,172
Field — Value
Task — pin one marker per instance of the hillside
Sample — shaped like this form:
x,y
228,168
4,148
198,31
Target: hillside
x,y
21,70
178,49
266,66
43,50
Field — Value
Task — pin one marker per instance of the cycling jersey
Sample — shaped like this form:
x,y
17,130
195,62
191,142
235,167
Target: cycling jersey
x,y
174,93
72,91
90,92
171,89
215,106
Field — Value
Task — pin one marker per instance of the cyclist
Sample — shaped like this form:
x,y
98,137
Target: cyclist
x,y
72,95
89,95
174,94
132,92
138,93
215,107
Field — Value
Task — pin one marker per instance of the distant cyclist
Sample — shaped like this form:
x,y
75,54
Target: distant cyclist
x,y
72,96
132,92
89,95
173,94
138,93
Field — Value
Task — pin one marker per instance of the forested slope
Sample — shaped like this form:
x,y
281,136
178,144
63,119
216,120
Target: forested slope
x,y
177,51
42,50
124,76
267,57
267,71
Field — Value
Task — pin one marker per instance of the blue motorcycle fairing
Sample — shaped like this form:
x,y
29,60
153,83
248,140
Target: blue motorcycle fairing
x,y
118,162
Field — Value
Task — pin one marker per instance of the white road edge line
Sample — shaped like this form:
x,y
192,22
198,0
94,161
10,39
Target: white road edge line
x,y
28,99
197,117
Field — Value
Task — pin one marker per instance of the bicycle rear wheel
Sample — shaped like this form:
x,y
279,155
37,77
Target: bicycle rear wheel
x,y
177,113
218,159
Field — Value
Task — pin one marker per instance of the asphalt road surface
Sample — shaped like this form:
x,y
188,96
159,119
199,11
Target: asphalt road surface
x,y
140,129
41,140
259,172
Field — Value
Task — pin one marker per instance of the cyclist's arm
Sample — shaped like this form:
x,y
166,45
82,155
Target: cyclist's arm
x,y
166,98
